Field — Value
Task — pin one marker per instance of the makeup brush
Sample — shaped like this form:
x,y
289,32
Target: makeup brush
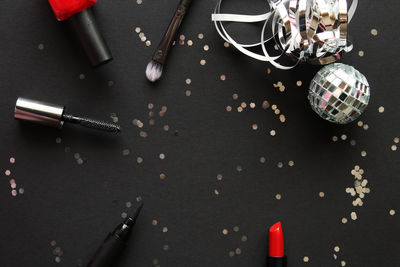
x,y
53,115
155,67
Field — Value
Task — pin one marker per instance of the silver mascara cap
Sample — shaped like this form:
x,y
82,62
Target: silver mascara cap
x,y
39,112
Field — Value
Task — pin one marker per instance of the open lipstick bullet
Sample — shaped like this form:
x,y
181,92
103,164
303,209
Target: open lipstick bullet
x,y
80,17
276,254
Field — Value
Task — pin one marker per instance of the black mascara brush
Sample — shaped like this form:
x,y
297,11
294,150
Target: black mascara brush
x,y
53,115
155,67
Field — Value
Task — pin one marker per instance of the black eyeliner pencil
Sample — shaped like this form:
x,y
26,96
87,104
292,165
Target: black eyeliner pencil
x,y
110,251
155,66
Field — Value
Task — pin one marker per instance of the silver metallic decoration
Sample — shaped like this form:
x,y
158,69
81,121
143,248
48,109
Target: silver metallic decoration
x,y
339,93
313,31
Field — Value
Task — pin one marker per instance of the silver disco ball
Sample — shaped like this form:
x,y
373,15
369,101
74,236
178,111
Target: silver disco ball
x,y
339,93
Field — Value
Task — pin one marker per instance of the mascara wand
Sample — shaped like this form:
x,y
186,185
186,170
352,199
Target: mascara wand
x,y
53,115
155,66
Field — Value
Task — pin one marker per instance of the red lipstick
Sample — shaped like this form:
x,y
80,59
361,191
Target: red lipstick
x,y
276,255
80,17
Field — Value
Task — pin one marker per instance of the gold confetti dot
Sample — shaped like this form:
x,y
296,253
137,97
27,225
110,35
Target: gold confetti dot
x,y
392,212
252,105
282,118
223,77
226,44
291,163
365,127
306,259
137,29
255,127
361,53
363,153
189,42
200,36
334,257
279,165
299,83
148,43
216,192
360,123
206,48
344,220
162,176
236,228
337,249
396,140
273,107
353,216
203,62
244,238
343,137
235,96
182,37
225,231
334,138
238,251
374,32
278,196
272,132
228,108
394,147
154,222
268,71
165,229
262,160
343,263
265,104
321,194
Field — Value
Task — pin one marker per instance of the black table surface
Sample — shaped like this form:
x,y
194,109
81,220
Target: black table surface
x,y
78,183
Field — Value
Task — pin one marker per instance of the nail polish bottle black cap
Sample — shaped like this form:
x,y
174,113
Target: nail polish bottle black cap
x,y
86,29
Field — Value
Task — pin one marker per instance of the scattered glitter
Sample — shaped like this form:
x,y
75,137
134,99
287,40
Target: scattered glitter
x,y
223,77
165,229
306,259
272,132
203,62
374,32
41,46
392,212
200,36
321,194
224,231
126,152
361,53
344,220
206,48
278,196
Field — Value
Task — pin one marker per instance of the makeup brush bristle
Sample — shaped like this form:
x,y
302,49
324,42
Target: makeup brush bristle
x,y
154,71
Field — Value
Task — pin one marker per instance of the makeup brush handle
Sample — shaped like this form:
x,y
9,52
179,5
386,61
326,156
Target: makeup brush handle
x,y
94,124
161,54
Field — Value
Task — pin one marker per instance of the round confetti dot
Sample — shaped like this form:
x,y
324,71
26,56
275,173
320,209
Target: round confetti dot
x,y
206,48
334,138
396,140
334,256
278,196
363,153
263,159
200,36
14,192
353,216
148,43
128,204
57,259
189,42
124,215
12,160
188,93
344,220
110,83
392,212
79,161
236,228
306,259
239,168
223,77
137,29
203,62
226,44
228,108
254,127
244,238
162,176
182,37
41,46
279,165
353,142
268,71
343,263
7,172
126,152
337,249
291,163
162,156
361,53
238,251
219,177
321,194
299,83
82,76
231,253
139,2
225,231
53,243
154,222
235,96
216,192
365,127
272,132
165,229
139,160
343,137
165,247
374,32
188,81
394,147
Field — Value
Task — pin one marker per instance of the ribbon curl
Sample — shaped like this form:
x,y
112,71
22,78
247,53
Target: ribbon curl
x,y
313,31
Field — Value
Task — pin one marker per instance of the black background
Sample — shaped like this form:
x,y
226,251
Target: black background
x,y
77,205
